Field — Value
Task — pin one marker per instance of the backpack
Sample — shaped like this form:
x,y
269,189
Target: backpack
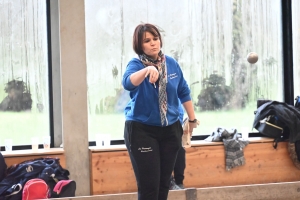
x,y
272,127
294,148
297,102
268,121
64,188
47,169
35,189
297,143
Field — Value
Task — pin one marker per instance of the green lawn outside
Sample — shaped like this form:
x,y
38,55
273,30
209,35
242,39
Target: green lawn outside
x,y
209,121
22,126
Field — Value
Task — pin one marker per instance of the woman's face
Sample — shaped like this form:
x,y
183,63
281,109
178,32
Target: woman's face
x,y
151,45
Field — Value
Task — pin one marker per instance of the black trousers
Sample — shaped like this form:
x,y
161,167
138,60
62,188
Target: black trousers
x,y
153,151
179,166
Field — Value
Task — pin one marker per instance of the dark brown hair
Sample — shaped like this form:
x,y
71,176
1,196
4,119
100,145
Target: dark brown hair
x,y
138,36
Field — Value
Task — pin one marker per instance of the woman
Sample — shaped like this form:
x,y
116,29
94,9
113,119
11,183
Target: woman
x,y
152,129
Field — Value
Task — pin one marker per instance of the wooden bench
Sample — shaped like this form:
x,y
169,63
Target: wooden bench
x,y
18,156
274,191
111,170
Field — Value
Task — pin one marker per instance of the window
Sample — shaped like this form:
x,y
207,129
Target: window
x,y
209,39
24,93
296,47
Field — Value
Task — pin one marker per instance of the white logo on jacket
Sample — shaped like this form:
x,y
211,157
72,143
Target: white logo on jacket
x,y
171,76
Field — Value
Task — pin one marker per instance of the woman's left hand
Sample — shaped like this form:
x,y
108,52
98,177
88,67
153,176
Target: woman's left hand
x,y
193,125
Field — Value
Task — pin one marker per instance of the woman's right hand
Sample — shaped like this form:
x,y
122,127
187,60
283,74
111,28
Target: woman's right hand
x,y
153,74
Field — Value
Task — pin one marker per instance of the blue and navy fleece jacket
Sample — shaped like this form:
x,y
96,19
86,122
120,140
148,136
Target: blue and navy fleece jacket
x,y
144,106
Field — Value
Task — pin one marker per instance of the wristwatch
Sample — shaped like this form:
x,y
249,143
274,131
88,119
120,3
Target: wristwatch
x,y
193,121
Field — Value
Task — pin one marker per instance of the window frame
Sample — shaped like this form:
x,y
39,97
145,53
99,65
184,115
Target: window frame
x,y
54,67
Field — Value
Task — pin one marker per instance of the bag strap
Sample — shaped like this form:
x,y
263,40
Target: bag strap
x,y
275,142
16,189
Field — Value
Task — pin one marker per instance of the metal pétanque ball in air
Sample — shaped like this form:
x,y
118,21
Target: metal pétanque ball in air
x,y
252,57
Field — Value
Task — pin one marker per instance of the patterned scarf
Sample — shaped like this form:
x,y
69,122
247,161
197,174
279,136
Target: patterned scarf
x,y
160,64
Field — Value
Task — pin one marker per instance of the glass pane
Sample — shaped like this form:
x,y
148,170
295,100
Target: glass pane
x,y
24,98
296,47
210,40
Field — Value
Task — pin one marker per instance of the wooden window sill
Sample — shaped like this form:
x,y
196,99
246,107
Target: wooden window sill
x,y
195,143
29,152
